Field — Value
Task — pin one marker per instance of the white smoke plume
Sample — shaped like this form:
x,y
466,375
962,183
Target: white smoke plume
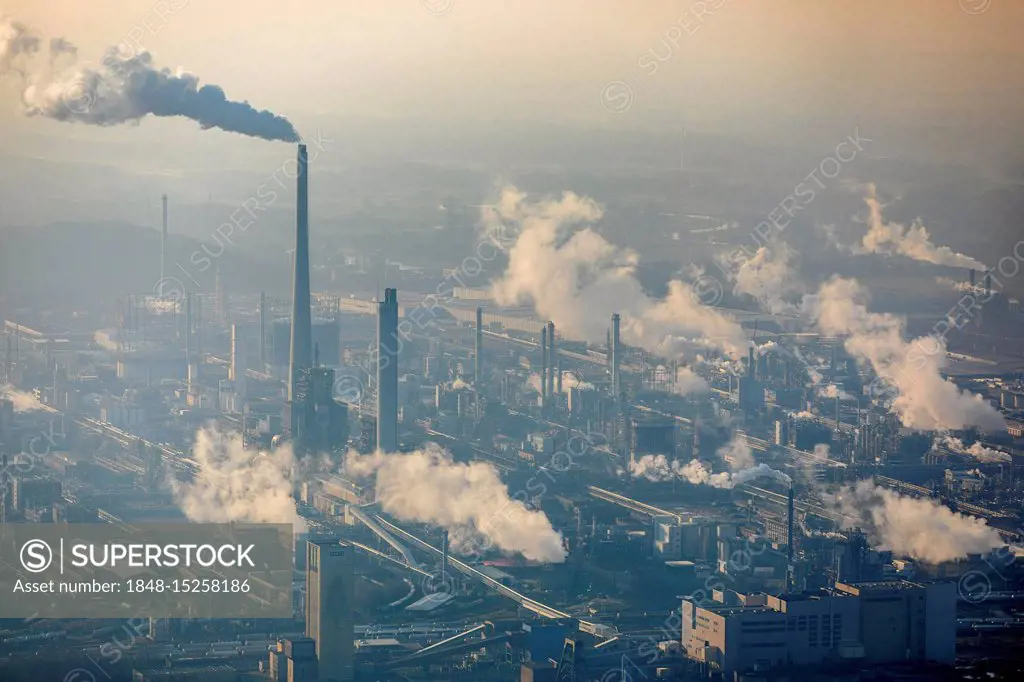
x,y
428,486
658,468
17,44
23,401
768,276
737,454
909,373
690,383
921,529
976,450
123,88
235,484
913,242
569,380
575,277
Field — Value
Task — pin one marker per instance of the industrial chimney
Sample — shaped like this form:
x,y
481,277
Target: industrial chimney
x,y
552,354
790,577
387,372
615,351
544,366
301,352
163,242
478,362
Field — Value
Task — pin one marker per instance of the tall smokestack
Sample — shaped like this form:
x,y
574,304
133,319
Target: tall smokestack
x,y
444,555
972,277
552,354
387,372
7,358
790,506
558,377
988,285
163,241
237,367
751,363
263,331
301,352
544,365
615,351
478,362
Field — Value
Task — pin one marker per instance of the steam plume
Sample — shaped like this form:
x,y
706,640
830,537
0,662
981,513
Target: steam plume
x,y
659,468
908,372
125,88
235,484
912,242
768,276
23,402
428,486
690,383
575,277
919,528
17,44
976,450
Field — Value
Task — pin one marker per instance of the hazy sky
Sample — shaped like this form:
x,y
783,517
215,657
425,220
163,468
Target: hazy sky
x,y
550,59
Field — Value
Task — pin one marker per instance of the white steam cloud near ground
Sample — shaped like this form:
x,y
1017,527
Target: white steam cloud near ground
x,y
236,484
125,87
576,278
659,468
912,242
909,372
428,486
976,450
23,402
425,486
918,528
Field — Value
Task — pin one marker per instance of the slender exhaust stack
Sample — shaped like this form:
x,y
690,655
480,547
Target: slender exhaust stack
x,y
790,578
614,351
163,241
301,351
552,355
478,362
387,372
263,331
544,366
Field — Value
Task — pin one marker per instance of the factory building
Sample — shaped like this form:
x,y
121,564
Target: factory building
x,y
329,620
873,622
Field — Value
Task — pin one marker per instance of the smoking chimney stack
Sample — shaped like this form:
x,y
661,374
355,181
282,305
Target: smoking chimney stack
x,y
972,278
301,352
988,285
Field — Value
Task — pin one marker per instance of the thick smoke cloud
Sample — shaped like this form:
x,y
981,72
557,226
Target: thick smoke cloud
x,y
909,373
736,453
575,277
918,528
124,88
976,450
912,242
689,382
767,276
235,484
467,499
17,44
